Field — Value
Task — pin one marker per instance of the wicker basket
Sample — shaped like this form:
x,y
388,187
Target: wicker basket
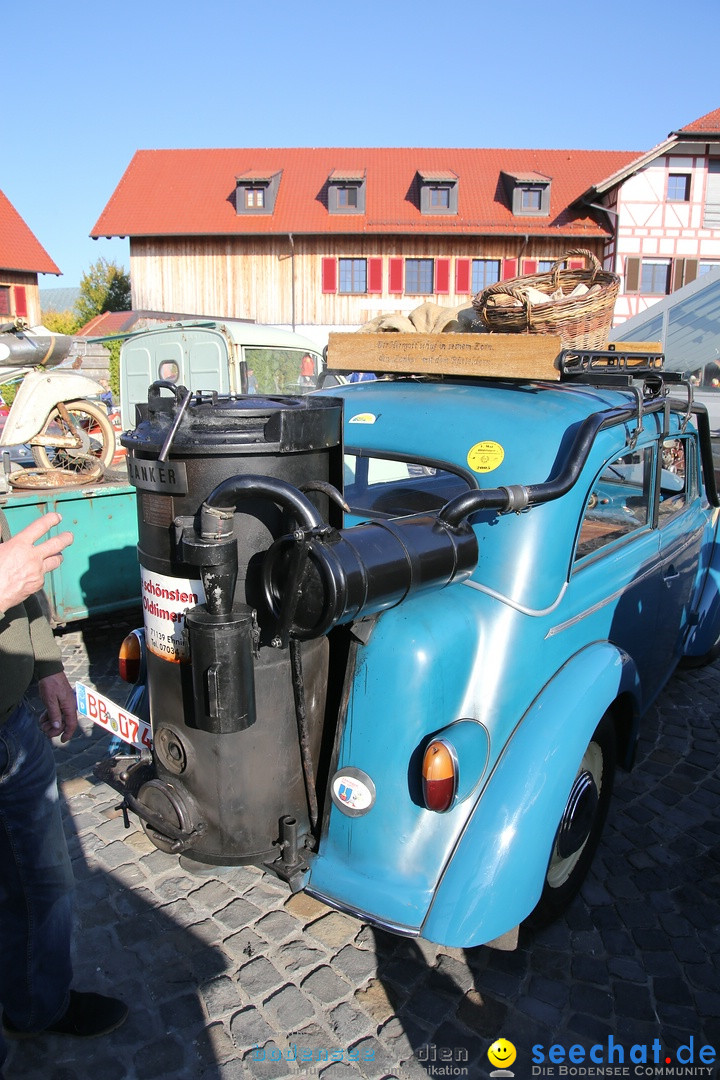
x,y
579,321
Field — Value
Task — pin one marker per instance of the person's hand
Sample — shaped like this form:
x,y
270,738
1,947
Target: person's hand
x,y
59,699
24,562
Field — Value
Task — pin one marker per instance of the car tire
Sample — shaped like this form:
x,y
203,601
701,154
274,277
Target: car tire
x,y
581,825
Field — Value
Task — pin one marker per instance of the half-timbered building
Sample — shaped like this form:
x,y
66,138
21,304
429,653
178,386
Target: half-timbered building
x,y
664,208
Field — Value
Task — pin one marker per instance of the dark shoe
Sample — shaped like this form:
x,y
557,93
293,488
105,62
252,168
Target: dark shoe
x,y
86,1016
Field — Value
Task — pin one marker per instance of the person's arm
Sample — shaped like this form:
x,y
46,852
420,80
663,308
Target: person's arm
x,y
23,565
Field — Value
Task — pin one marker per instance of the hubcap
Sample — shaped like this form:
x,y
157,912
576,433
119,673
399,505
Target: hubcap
x,y
578,816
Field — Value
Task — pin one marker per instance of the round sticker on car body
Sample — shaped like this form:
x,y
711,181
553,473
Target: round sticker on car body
x,y
485,456
352,791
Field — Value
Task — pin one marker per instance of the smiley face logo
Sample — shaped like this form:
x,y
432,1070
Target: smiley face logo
x,y
502,1053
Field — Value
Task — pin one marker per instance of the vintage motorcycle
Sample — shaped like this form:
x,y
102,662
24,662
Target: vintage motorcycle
x,y
51,412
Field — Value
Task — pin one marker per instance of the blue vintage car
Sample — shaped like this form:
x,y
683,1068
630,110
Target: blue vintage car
x,y
416,712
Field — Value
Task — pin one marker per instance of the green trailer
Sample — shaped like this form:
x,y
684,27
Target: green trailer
x,y
100,572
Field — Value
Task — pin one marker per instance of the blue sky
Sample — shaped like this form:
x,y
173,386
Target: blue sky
x,y
87,84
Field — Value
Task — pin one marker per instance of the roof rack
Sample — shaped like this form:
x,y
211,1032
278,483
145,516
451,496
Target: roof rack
x,y
616,368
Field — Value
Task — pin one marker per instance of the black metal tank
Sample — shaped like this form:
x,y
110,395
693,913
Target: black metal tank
x,y
223,695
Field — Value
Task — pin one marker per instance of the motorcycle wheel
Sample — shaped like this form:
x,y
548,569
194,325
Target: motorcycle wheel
x,y
97,439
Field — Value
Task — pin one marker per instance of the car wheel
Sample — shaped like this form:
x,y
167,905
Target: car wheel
x,y
581,824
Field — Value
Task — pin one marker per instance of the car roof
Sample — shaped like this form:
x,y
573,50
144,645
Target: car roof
x,y
446,419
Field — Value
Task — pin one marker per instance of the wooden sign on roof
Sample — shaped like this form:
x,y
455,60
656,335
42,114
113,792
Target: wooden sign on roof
x,y
529,357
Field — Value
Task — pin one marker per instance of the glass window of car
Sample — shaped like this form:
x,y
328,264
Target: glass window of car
x,y
678,481
388,487
279,370
619,503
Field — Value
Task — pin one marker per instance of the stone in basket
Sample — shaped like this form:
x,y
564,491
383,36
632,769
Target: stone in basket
x,y
575,305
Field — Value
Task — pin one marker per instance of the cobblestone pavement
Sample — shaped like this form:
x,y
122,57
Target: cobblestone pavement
x,y
228,977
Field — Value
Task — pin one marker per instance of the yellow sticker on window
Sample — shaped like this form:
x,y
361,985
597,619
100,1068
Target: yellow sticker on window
x,y
485,456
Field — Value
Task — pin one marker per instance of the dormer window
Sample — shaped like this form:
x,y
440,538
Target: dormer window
x,y
346,191
438,192
531,200
347,198
527,193
255,192
254,198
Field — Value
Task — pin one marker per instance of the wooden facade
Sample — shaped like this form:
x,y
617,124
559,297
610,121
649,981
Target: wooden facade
x,y
23,258
281,279
19,297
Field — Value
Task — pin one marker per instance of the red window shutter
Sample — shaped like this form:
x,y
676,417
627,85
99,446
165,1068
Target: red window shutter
x,y
509,268
374,275
329,275
397,275
20,302
442,275
529,266
576,264
462,276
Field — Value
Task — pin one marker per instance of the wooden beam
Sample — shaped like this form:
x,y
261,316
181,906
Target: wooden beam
x,y
653,347
499,356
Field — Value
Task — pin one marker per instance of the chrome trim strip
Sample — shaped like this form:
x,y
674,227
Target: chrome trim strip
x,y
535,612
600,603
358,913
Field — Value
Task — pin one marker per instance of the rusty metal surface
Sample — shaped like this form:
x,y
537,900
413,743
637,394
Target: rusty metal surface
x,y
48,479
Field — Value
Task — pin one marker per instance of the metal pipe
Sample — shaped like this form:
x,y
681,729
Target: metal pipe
x,y
298,685
235,489
517,497
292,279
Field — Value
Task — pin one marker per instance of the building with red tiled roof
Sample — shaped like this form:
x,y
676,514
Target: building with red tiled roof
x,y
22,258
325,238
665,207
321,238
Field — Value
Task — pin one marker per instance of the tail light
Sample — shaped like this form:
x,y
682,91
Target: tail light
x,y
439,775
130,658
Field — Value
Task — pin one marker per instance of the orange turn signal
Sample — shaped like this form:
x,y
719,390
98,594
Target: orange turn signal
x,y
129,658
439,775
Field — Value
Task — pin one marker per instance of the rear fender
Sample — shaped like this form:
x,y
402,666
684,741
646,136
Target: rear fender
x,y
38,394
496,873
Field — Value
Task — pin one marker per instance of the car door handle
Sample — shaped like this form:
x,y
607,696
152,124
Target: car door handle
x,y
670,575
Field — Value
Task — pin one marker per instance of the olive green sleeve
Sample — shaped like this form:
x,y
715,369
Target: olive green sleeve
x,y
48,660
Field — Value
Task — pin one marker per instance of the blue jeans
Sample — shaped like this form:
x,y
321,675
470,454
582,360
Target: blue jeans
x,y
36,880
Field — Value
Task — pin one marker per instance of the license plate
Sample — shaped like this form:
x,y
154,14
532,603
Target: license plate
x,y
112,717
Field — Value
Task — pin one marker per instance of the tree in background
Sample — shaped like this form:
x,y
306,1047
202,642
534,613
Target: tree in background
x,y
113,348
105,287
61,322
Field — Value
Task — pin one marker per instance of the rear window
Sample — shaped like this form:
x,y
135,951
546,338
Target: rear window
x,y
281,371
389,487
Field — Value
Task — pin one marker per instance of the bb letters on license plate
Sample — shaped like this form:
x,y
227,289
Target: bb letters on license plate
x,y
106,714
